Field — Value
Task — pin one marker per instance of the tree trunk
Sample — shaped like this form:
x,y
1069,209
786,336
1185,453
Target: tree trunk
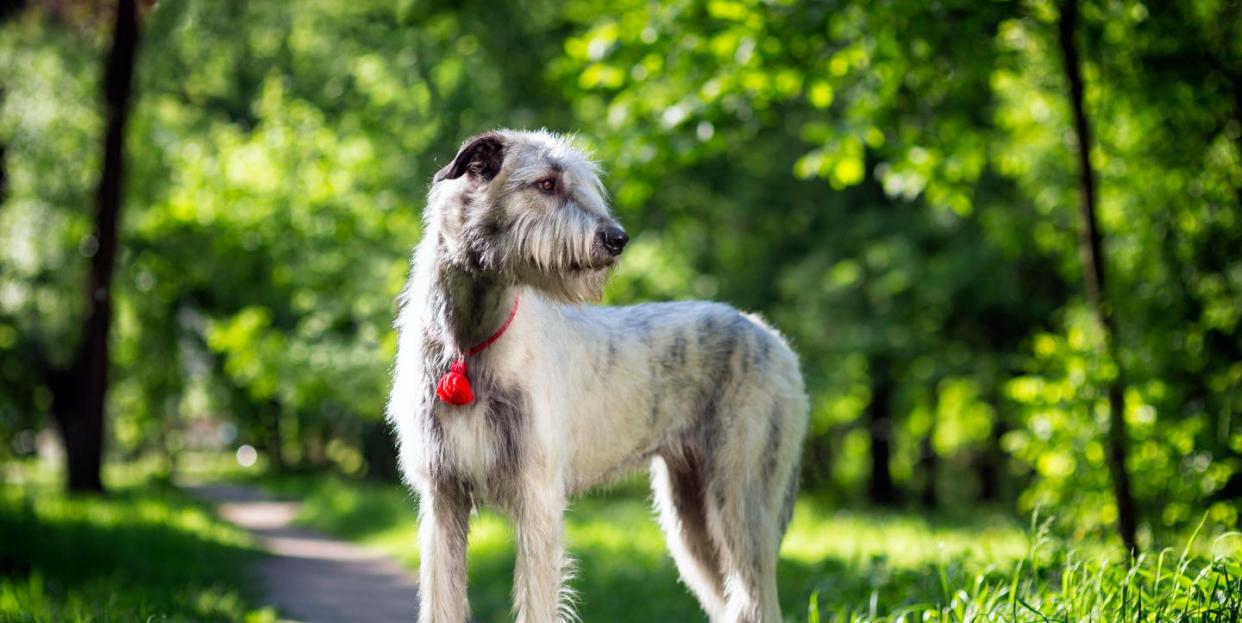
x,y
1091,249
880,426
81,436
274,441
80,391
4,176
991,465
928,467
378,451
819,456
167,433
314,444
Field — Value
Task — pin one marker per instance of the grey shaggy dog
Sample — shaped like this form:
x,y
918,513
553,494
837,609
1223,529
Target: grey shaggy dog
x,y
571,395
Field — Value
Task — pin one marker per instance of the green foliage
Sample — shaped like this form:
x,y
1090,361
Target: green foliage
x,y
890,183
146,552
948,252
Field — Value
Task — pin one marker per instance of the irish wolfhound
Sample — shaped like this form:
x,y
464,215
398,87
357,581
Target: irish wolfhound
x,y
509,390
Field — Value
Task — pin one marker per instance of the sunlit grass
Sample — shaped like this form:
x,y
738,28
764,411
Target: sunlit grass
x,y
904,539
1058,583
836,565
856,562
141,552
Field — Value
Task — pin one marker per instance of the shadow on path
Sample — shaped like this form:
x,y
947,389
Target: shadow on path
x,y
311,577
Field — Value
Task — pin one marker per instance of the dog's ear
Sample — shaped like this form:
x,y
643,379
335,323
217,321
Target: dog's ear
x,y
481,157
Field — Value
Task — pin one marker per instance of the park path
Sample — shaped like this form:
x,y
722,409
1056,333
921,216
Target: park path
x,y
308,576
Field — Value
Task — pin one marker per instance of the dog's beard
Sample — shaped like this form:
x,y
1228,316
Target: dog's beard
x,y
566,276
573,285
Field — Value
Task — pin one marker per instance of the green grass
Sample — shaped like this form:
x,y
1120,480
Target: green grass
x,y
1056,582
835,565
144,552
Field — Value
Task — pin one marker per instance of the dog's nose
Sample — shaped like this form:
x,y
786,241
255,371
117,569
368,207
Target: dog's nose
x,y
614,239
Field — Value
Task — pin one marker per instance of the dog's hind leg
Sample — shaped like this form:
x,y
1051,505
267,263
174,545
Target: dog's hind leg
x,y
745,528
677,482
443,523
749,489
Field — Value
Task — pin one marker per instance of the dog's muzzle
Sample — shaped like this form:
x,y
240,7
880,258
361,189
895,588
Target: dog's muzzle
x,y
613,239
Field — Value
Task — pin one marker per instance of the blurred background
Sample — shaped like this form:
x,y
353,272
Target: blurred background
x,y
198,262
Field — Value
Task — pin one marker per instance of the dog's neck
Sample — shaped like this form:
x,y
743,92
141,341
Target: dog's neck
x,y
469,305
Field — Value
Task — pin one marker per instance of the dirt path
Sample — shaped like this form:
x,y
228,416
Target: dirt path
x,y
311,577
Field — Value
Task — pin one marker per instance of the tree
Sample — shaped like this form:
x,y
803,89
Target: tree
x,y
79,391
1091,248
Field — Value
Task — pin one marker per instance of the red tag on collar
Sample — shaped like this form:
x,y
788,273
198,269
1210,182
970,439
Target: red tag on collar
x,y
454,387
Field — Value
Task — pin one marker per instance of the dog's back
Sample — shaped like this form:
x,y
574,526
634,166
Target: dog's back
x,y
677,372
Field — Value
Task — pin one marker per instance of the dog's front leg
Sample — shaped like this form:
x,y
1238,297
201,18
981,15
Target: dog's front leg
x,y
537,591
443,522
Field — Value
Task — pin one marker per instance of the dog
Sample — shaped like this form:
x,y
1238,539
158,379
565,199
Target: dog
x,y
509,389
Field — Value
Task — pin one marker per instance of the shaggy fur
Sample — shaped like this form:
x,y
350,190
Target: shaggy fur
x,y
575,395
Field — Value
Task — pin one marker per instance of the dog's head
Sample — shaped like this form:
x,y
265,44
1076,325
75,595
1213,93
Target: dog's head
x,y
528,206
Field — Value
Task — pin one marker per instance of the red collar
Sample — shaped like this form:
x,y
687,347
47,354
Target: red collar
x,y
482,346
454,387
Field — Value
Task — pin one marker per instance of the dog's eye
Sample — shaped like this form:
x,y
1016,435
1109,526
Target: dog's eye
x,y
547,186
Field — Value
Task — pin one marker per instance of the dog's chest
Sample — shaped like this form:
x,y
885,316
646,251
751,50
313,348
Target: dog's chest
x,y
483,442
469,442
